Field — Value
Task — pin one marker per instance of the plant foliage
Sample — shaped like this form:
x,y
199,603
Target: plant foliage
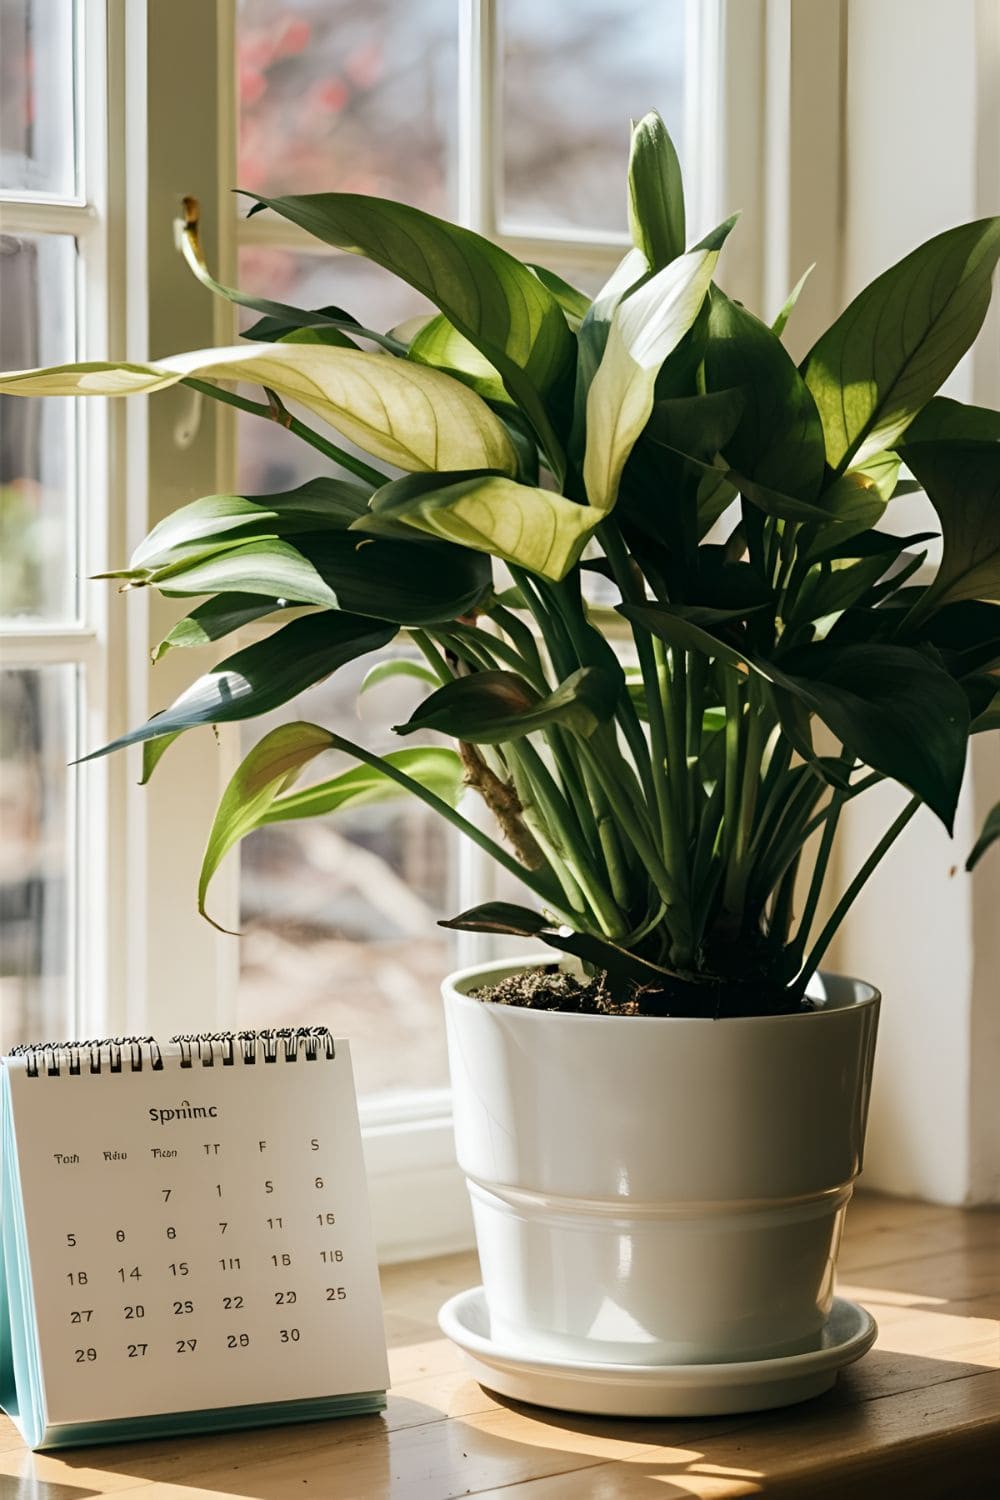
x,y
667,773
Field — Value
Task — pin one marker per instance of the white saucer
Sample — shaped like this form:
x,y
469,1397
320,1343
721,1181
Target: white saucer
x,y
618,1390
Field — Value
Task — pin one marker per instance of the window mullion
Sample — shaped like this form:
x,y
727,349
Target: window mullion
x,y
478,123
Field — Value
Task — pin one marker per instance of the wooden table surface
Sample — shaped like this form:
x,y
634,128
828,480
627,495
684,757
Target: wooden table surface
x,y
918,1417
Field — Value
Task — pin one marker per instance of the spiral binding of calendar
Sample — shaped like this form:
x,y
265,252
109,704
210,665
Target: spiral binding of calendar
x,y
204,1048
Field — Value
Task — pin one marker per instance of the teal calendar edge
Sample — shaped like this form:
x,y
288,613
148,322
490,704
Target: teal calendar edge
x,y
222,1419
20,1372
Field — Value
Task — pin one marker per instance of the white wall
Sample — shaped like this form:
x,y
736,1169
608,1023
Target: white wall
x,y
920,154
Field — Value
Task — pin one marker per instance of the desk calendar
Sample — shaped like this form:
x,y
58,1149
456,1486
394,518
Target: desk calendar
x,y
185,1233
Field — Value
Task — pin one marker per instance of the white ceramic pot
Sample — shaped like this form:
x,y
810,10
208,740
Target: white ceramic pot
x,y
658,1190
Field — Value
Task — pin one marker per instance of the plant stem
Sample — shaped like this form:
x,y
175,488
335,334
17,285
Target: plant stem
x,y
832,813
621,566
847,900
291,424
612,921
432,656
539,882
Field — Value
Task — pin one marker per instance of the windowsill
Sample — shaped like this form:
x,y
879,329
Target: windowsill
x,y
919,1416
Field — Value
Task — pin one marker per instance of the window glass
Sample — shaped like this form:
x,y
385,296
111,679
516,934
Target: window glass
x,y
573,76
38,147
37,741
339,913
37,438
352,96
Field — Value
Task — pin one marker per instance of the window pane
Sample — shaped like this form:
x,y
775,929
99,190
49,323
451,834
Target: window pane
x,y
339,913
573,76
272,459
37,714
37,438
348,96
37,97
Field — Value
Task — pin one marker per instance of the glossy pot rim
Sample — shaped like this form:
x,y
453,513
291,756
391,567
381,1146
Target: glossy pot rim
x,y
456,984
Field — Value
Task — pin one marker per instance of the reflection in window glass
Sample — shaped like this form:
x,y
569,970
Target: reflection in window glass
x,y
37,447
353,96
37,713
339,913
271,459
37,105
573,77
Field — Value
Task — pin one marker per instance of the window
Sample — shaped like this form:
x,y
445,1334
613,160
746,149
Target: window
x,y
53,518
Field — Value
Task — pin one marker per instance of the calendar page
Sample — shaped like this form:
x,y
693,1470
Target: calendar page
x,y
197,1230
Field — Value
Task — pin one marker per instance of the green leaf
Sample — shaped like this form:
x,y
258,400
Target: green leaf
x,y
312,507
533,528
990,835
954,420
788,307
574,303
267,566
400,666
214,619
655,193
962,480
490,297
440,345
778,441
893,708
435,767
685,629
518,921
403,413
884,357
271,766
490,708
332,320
377,576
265,675
153,752
699,425
644,328
831,587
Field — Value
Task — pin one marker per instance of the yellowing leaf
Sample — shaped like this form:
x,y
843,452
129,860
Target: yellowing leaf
x,y
403,413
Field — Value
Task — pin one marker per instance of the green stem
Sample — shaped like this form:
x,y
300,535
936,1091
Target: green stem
x,y
551,805
816,880
291,424
847,900
734,715
432,656
534,880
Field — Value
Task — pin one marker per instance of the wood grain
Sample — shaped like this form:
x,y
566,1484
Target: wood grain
x,y
919,1417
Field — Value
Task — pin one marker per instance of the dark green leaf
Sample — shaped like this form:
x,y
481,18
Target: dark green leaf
x,y
312,507
573,302
962,480
265,675
267,566
518,921
990,835
655,193
944,418
893,708
489,708
884,357
214,619
778,441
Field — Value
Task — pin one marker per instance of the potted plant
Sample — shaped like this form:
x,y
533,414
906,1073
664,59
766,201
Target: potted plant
x,y
661,1127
